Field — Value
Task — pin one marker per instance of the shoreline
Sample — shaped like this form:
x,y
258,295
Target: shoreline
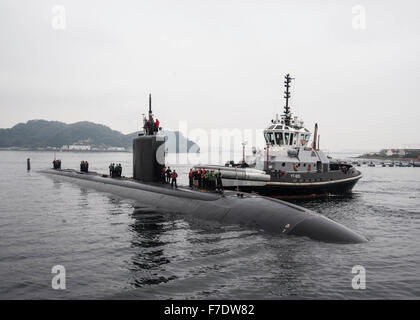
x,y
50,150
82,151
389,159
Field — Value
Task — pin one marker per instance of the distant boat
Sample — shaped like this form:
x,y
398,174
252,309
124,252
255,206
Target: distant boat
x,y
356,163
371,164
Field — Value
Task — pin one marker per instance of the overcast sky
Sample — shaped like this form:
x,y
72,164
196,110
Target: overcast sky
x,y
216,64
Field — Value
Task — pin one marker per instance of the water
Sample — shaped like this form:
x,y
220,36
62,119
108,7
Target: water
x,y
117,248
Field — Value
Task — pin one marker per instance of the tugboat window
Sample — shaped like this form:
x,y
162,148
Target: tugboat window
x,y
279,138
283,164
286,138
291,138
269,137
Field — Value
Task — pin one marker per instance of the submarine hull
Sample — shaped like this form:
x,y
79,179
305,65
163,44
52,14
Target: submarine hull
x,y
252,211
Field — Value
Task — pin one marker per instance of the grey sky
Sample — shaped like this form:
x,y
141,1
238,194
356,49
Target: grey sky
x,y
216,64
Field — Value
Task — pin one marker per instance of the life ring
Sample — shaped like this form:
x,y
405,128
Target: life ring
x,y
295,167
303,141
309,167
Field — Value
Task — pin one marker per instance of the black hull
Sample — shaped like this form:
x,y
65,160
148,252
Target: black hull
x,y
288,190
261,213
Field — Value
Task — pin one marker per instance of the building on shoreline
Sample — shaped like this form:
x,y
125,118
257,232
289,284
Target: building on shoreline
x,y
395,154
75,147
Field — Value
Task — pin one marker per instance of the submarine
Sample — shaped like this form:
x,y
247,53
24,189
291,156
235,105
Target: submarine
x,y
246,209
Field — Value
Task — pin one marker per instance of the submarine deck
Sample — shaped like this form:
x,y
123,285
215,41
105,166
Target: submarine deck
x,y
164,188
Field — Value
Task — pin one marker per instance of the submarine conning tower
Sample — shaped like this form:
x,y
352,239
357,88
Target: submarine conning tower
x,y
149,150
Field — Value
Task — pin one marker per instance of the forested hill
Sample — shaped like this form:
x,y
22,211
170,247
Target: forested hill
x,y
43,134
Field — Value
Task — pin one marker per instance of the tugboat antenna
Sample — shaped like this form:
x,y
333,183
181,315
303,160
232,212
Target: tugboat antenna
x,y
287,96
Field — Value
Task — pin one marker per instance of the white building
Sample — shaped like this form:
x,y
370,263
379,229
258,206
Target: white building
x,y
395,152
115,149
75,147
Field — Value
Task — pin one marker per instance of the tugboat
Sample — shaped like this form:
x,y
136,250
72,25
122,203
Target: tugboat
x,y
288,165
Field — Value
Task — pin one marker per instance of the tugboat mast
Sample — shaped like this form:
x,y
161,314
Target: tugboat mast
x,y
150,107
287,96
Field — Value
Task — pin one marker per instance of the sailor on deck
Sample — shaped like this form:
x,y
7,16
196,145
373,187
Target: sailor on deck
x,y
191,178
163,175
174,175
168,175
219,181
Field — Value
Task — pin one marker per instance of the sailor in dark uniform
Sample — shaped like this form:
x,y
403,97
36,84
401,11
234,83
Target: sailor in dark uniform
x,y
168,175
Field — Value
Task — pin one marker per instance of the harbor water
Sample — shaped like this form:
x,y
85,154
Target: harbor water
x,y
117,248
